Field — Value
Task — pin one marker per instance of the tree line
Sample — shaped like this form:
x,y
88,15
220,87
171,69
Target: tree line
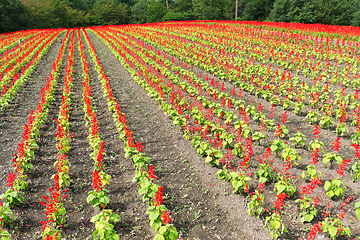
x,y
29,14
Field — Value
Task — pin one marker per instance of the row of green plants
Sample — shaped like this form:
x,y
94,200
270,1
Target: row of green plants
x,y
16,180
159,216
55,211
98,197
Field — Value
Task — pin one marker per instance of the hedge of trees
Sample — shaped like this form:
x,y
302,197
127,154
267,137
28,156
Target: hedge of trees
x,y
25,14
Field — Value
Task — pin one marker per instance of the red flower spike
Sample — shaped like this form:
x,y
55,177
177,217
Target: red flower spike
x,y
316,131
10,179
314,230
336,144
159,197
240,93
279,203
165,217
151,173
284,117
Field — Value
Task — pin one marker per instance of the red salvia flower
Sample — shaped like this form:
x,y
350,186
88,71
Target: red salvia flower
x,y
342,167
284,117
272,112
314,156
165,217
357,150
100,154
10,179
215,96
159,197
336,144
314,230
278,130
279,203
97,183
316,131
248,149
240,93
139,146
223,87
151,173
229,105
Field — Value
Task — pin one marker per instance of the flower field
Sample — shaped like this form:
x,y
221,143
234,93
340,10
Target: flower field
x,y
181,130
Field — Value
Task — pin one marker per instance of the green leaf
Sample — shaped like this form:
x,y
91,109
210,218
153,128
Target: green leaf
x,y
347,230
153,216
159,237
163,230
327,185
280,188
95,218
330,194
116,218
115,237
357,212
308,217
173,235
339,192
275,224
332,231
156,224
62,211
90,198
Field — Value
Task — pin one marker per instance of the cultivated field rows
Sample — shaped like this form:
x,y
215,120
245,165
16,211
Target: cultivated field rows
x,y
184,130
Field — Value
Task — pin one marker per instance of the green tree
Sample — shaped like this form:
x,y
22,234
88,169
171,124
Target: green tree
x,y
279,11
212,13
229,10
209,10
139,12
81,5
178,16
257,10
12,16
155,10
198,8
108,13
53,14
355,7
40,13
76,18
301,11
335,12
183,6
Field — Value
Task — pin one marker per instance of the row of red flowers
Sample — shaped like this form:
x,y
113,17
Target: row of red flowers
x,y
25,152
159,215
55,211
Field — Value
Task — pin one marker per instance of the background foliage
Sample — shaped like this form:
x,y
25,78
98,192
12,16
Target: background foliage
x,y
28,14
